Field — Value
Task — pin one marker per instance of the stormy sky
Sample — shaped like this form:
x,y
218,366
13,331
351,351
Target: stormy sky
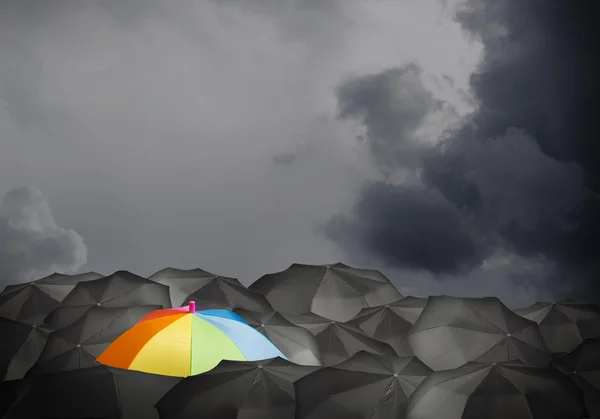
x,y
450,144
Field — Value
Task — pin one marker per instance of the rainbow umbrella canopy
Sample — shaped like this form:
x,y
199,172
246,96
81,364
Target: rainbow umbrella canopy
x,y
182,341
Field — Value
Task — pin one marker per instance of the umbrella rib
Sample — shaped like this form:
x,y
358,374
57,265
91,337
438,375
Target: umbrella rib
x,y
112,321
478,314
136,288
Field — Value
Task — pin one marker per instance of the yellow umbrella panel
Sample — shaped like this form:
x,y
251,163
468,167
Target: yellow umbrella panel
x,y
181,342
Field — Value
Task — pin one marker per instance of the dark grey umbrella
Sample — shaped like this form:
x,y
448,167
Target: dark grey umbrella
x,y
507,390
121,289
452,331
336,291
409,307
582,365
236,390
80,343
564,324
295,342
366,386
209,290
21,346
99,392
338,341
387,324
32,301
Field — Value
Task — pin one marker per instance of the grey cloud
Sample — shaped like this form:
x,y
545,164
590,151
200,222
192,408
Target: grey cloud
x,y
506,180
539,74
151,125
409,227
521,171
285,159
392,105
31,243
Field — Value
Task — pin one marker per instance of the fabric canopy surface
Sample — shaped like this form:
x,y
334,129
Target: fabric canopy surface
x,y
120,289
336,291
236,390
452,331
564,324
366,386
20,348
209,290
297,343
32,301
182,341
338,341
387,324
77,345
507,390
98,392
583,367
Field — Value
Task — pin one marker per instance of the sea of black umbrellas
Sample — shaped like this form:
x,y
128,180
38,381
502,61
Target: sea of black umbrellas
x,y
356,348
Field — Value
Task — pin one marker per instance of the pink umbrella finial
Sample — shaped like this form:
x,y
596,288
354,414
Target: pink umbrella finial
x,y
192,306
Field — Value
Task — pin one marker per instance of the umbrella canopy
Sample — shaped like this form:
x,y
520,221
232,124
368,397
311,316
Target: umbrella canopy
x,y
507,390
236,390
295,342
32,301
78,344
452,331
98,392
209,290
564,324
338,341
121,289
182,342
387,324
409,307
336,291
21,346
583,367
365,386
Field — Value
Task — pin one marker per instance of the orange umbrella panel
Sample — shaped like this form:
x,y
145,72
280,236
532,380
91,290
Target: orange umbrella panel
x,y
183,342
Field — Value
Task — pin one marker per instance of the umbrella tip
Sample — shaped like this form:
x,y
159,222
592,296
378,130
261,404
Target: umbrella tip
x,y
192,306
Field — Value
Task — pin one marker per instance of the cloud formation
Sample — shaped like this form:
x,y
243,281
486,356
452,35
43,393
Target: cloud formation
x,y
520,174
32,245
163,132
392,105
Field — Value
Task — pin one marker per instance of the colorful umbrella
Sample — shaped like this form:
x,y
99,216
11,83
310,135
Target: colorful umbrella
x,y
182,341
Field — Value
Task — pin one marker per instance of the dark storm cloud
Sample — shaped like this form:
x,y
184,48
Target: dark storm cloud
x,y
505,180
410,227
520,173
391,105
31,243
540,75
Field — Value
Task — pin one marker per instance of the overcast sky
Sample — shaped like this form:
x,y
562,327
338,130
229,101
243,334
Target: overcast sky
x,y
446,143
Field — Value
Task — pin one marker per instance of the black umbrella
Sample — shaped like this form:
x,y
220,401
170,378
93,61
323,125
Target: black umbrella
x,y
32,301
236,390
209,290
21,346
387,324
121,289
366,386
564,324
338,341
409,307
452,331
295,342
336,291
80,343
507,390
99,392
582,366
